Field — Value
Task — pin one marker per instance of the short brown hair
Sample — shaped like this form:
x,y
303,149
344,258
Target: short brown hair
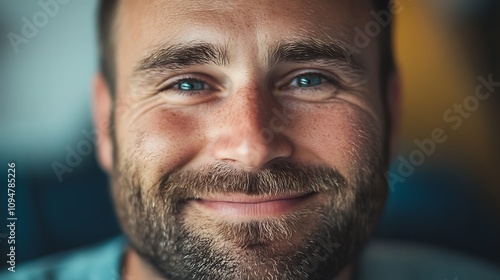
x,y
107,12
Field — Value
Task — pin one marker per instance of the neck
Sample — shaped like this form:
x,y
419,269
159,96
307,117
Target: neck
x,y
135,268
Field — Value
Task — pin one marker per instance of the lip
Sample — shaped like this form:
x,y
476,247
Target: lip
x,y
254,207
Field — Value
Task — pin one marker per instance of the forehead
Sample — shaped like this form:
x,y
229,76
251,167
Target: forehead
x,y
150,21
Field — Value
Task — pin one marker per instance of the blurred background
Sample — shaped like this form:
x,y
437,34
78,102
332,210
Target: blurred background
x,y
447,197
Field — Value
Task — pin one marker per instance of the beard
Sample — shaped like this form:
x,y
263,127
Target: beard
x,y
311,242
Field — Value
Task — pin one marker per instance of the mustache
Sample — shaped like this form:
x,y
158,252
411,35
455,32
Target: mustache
x,y
279,178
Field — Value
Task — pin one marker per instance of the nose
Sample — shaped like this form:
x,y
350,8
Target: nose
x,y
251,133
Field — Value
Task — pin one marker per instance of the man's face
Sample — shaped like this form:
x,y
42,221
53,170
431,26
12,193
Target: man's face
x,y
248,136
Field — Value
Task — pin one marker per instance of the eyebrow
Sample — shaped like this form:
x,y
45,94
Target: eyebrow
x,y
183,55
308,50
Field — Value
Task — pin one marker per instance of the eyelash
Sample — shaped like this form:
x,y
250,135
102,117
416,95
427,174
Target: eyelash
x,y
322,76
187,93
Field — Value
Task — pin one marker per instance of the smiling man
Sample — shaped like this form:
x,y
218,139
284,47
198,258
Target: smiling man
x,y
248,139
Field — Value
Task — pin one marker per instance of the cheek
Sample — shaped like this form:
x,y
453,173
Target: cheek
x,y
160,141
341,136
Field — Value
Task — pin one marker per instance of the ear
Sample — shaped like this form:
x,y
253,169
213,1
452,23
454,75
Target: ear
x,y
394,106
102,108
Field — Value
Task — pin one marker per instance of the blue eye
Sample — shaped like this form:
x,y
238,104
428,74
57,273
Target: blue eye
x,y
190,85
308,80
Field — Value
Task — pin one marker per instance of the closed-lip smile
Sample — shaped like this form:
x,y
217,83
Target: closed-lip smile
x,y
246,206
